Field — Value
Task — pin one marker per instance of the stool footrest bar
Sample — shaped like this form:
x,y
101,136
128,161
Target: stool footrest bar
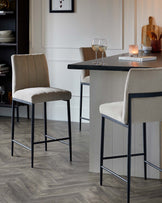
x,y
154,166
61,139
85,118
115,174
28,148
122,156
53,140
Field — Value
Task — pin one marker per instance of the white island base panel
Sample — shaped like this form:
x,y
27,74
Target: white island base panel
x,y
108,86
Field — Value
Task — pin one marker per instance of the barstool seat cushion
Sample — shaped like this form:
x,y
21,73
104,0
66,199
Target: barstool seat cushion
x,y
42,94
113,110
86,80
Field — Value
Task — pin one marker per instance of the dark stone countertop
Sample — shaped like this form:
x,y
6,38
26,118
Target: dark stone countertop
x,y
112,63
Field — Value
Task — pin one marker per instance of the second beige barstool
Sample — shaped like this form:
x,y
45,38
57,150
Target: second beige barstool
x,y
87,54
142,103
30,86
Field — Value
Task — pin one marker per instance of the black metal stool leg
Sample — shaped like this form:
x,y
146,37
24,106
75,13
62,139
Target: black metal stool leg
x,y
145,150
45,124
69,129
32,136
13,123
102,149
28,115
81,99
17,108
129,164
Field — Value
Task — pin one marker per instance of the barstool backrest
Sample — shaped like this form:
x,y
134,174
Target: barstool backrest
x,y
141,81
88,54
29,70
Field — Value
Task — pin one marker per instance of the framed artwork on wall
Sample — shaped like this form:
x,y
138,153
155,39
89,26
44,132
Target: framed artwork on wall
x,y
58,6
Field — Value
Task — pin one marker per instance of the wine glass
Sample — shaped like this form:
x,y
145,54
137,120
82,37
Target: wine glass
x,y
2,92
102,48
95,47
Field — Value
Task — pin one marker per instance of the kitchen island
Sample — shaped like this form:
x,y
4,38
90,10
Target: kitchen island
x,y
107,85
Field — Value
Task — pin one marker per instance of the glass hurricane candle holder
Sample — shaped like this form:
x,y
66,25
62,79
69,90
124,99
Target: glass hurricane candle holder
x,y
133,50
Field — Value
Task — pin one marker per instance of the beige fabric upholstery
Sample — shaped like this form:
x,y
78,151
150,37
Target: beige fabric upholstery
x,y
29,70
143,109
144,80
42,94
113,110
31,80
88,54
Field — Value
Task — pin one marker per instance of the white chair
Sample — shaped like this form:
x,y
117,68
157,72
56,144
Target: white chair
x,y
142,103
87,54
31,86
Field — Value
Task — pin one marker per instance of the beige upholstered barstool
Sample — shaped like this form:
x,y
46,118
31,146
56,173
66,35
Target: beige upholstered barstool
x,y
87,54
31,86
142,103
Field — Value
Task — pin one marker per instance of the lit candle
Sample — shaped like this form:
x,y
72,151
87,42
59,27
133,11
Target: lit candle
x,y
133,50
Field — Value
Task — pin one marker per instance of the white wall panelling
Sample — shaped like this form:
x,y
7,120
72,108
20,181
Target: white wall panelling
x,y
92,18
60,35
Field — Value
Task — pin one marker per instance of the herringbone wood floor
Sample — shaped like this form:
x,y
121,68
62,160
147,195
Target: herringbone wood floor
x,y
54,179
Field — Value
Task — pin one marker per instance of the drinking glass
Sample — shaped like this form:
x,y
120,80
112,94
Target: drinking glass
x,y
102,48
95,47
2,92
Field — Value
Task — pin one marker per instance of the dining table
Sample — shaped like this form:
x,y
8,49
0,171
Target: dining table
x,y
107,83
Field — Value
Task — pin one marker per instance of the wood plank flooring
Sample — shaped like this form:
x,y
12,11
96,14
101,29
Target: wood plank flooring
x,y
54,179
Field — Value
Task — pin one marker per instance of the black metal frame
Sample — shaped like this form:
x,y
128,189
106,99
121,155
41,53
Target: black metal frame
x,y
17,108
52,139
128,155
81,102
61,11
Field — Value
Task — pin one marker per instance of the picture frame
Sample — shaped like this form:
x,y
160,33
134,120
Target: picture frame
x,y
61,6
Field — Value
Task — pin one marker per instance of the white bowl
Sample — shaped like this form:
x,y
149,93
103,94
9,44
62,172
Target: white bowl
x,y
10,39
146,49
5,33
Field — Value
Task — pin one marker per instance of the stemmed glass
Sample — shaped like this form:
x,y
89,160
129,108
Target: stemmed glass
x,y
102,48
95,47
2,92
